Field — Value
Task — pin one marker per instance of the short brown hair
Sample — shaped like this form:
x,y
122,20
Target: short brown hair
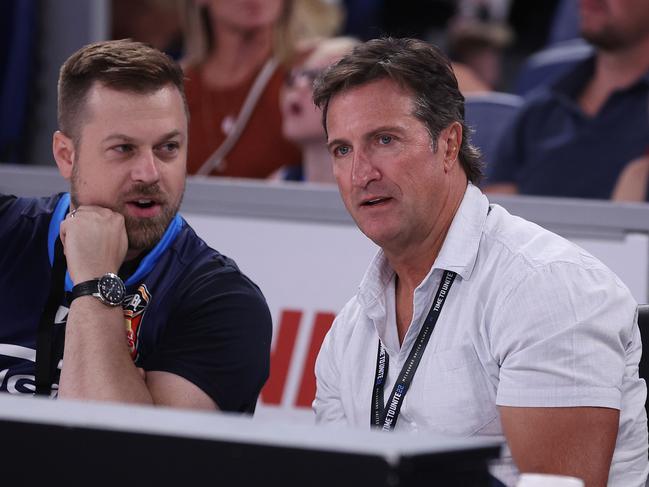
x,y
419,67
123,65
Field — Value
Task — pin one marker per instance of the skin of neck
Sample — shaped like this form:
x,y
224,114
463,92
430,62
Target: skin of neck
x,y
412,264
621,68
237,54
614,70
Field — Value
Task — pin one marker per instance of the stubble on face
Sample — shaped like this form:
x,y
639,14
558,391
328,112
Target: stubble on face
x,y
610,32
142,233
607,38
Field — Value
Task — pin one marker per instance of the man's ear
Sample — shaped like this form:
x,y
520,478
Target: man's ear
x,y
453,137
64,152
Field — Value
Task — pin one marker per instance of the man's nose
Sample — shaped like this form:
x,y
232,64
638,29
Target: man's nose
x,y
146,168
363,169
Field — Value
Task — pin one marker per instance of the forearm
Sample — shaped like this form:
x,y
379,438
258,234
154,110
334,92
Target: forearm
x,y
96,361
577,441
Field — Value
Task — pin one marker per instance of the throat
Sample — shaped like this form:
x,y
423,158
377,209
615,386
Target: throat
x,y
404,299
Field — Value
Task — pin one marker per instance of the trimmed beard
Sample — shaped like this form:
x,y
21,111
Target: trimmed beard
x,y
607,39
142,233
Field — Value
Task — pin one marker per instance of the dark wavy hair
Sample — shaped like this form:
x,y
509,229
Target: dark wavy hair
x,y
419,67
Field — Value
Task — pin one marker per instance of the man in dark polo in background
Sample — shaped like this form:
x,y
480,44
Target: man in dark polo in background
x,y
469,321
107,293
574,137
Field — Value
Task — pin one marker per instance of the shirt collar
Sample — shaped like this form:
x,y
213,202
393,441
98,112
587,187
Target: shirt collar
x,y
458,254
571,83
460,248
372,287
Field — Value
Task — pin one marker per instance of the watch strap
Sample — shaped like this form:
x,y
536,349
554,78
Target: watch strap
x,y
86,288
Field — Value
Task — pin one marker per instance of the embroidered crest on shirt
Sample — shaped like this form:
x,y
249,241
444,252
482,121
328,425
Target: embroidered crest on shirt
x,y
134,307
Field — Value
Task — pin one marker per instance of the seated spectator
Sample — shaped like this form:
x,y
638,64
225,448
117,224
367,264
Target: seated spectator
x,y
632,183
237,56
301,119
574,137
479,43
469,321
473,46
109,275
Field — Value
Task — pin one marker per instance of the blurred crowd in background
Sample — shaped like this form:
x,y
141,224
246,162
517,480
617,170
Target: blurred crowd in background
x,y
556,90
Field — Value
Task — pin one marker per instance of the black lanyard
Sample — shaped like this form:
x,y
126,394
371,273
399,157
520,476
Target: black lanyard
x,y
46,361
386,418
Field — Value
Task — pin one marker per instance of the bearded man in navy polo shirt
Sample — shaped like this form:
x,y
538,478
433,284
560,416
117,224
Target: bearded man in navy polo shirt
x,y
113,296
574,137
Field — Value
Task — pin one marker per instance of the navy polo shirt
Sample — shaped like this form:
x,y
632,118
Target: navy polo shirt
x,y
553,149
188,309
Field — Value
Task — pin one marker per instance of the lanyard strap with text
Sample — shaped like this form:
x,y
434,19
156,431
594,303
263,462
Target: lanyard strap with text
x,y
386,418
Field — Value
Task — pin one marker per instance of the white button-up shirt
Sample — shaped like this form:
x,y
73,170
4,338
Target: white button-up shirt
x,y
531,320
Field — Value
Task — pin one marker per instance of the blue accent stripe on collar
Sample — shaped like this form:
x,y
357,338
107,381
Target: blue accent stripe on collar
x,y
147,263
57,217
152,257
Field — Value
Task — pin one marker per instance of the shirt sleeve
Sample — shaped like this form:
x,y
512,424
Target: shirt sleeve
x,y
562,336
327,404
218,337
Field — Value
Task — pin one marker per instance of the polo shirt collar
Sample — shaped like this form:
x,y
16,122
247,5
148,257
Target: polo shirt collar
x,y
571,83
458,253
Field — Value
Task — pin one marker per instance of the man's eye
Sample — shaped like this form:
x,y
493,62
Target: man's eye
x,y
342,150
123,148
385,139
169,147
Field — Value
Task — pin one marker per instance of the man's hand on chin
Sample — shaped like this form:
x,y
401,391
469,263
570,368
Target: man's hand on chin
x,y
94,241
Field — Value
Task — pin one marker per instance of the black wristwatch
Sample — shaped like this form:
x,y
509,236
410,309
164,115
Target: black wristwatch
x,y
109,289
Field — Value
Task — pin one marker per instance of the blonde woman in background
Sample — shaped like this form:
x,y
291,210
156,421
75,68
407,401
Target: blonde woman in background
x,y
237,54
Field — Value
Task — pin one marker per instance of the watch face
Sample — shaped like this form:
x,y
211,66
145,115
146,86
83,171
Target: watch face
x,y
111,289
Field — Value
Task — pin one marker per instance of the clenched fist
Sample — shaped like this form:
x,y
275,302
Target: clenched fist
x,y
94,241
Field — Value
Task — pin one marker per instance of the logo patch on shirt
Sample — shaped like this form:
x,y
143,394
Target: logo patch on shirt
x,y
134,307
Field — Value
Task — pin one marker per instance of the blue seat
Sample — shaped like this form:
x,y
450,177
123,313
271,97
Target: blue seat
x,y
488,115
565,23
545,66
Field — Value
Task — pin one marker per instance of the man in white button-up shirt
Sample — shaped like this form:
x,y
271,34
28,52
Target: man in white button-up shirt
x,y
469,321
